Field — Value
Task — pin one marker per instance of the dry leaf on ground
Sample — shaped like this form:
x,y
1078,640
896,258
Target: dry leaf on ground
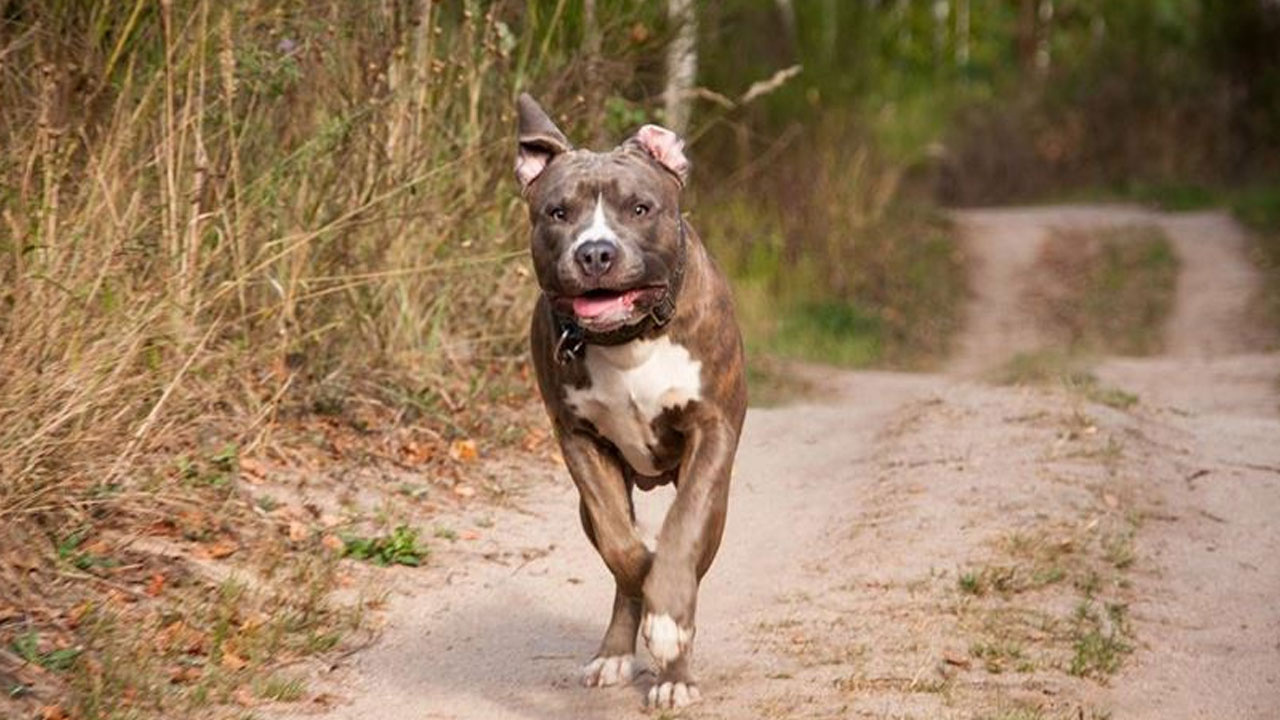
x,y
464,450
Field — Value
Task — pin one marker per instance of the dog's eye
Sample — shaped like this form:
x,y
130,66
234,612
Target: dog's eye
x,y
558,212
641,210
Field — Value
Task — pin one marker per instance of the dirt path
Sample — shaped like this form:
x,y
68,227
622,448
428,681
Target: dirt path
x,y
919,546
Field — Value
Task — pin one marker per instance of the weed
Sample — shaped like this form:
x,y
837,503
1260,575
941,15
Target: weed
x,y
1100,640
445,533
401,547
1053,366
999,656
1119,549
1107,290
281,688
27,646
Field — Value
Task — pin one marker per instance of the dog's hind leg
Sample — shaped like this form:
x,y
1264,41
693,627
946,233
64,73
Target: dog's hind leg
x,y
614,663
607,518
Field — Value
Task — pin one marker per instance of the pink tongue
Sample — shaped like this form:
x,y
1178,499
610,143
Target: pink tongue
x,y
592,307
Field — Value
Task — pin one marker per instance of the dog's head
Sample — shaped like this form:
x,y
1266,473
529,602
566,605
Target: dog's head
x,y
607,239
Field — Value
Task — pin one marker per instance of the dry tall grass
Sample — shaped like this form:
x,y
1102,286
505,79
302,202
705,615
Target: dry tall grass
x,y
206,203
209,210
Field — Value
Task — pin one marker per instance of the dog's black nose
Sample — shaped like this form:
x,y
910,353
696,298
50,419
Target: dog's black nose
x,y
595,257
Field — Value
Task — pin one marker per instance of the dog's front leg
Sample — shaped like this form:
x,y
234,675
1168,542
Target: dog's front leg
x,y
686,546
609,523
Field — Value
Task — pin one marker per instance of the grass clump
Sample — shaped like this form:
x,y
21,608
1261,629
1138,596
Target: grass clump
x,y
1106,291
999,656
1258,207
280,688
1101,640
400,547
28,647
1058,367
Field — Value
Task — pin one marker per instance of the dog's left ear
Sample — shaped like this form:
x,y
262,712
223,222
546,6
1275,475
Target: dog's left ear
x,y
539,140
666,147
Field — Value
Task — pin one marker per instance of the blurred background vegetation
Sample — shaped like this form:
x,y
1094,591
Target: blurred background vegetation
x,y
216,216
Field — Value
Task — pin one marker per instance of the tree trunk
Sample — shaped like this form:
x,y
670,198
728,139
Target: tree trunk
x,y
594,84
682,64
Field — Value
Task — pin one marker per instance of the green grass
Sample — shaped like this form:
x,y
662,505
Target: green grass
x,y
1258,207
400,547
1101,644
829,332
1000,656
1061,368
281,688
1105,290
27,647
855,280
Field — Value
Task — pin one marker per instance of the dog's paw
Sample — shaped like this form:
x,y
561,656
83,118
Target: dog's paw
x,y
672,695
666,640
611,670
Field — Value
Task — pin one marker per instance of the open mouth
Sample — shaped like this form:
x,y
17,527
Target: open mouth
x,y
602,306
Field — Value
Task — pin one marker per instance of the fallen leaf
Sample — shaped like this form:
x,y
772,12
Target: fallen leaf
x,y
463,450
298,532
533,439
52,712
333,542
233,662
464,491
415,452
252,470
217,549
1111,500
155,585
469,535
244,697
953,658
74,616
180,675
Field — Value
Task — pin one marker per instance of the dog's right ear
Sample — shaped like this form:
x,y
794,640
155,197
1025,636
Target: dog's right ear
x,y
539,141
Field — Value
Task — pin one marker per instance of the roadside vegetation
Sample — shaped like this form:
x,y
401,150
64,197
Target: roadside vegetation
x,y
1107,291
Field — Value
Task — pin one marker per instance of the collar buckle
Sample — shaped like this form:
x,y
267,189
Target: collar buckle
x,y
571,345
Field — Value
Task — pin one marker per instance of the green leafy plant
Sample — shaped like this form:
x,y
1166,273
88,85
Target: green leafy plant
x,y
27,646
401,547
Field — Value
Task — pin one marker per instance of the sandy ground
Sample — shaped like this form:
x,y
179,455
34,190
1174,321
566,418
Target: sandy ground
x,y
837,591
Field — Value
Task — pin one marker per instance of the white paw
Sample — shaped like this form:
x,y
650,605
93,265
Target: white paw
x,y
606,671
671,695
666,639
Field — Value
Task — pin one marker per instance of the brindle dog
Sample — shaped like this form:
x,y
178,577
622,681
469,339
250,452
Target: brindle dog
x,y
639,360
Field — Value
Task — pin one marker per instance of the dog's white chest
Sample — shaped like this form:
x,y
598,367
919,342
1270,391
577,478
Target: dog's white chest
x,y
631,385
